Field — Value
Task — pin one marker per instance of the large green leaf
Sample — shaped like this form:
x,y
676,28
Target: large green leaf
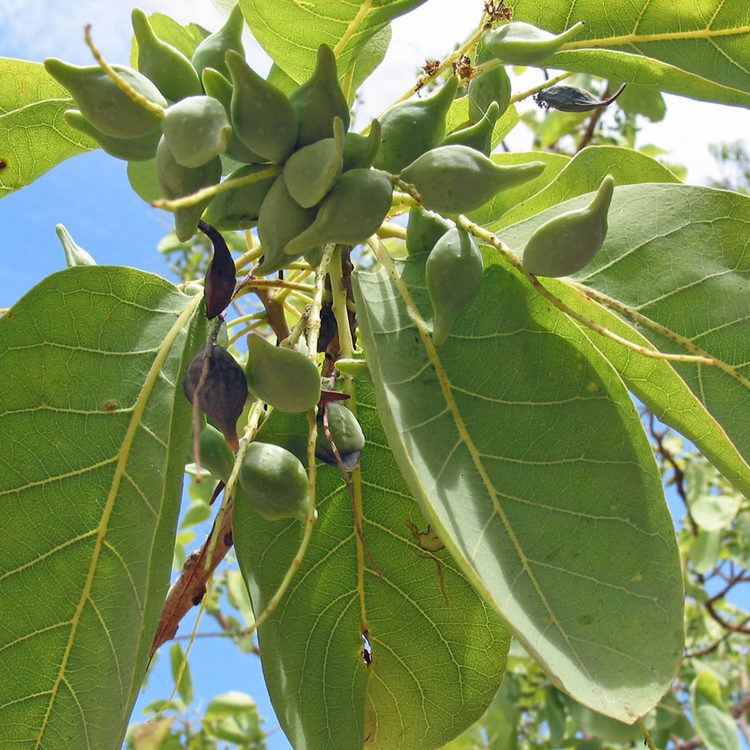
x,y
582,174
678,255
95,432
291,31
657,384
525,451
34,137
701,50
715,725
438,651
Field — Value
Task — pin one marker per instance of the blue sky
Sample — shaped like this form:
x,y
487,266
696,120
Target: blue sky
x,y
91,196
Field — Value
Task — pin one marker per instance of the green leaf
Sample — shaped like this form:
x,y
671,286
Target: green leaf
x,y
583,174
704,552
291,31
371,55
505,200
642,100
697,50
602,727
438,652
34,137
95,430
715,512
656,383
714,723
518,422
232,703
181,674
677,254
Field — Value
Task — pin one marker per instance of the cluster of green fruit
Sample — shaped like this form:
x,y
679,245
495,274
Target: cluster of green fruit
x,y
272,480
314,182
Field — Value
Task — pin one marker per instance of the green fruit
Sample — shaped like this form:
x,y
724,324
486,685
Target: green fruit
x,y
357,368
239,208
143,180
75,255
311,172
215,454
284,378
211,51
103,104
219,87
280,220
273,482
411,128
568,242
262,115
492,87
479,135
458,179
319,100
360,150
177,181
172,72
453,274
131,149
346,433
196,130
520,43
424,229
350,213
314,256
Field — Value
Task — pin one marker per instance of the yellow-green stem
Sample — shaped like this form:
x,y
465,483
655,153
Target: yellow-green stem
x,y
540,87
222,187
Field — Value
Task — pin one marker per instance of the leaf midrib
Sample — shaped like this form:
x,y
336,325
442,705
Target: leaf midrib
x,y
666,36
101,531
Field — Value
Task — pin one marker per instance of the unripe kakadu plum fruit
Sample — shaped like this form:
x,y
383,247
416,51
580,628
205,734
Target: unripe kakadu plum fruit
x,y
568,242
319,100
350,213
273,483
346,433
424,229
492,86
210,53
360,150
219,87
520,43
453,274
411,128
196,130
215,454
477,136
281,219
240,208
458,179
177,181
312,170
103,104
284,378
171,72
141,148
262,115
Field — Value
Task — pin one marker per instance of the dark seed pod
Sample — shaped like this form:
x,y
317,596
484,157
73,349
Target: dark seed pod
x,y
573,99
224,390
220,275
319,100
346,433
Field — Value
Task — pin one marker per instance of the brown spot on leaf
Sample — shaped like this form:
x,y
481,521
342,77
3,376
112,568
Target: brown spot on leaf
x,y
111,405
3,164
